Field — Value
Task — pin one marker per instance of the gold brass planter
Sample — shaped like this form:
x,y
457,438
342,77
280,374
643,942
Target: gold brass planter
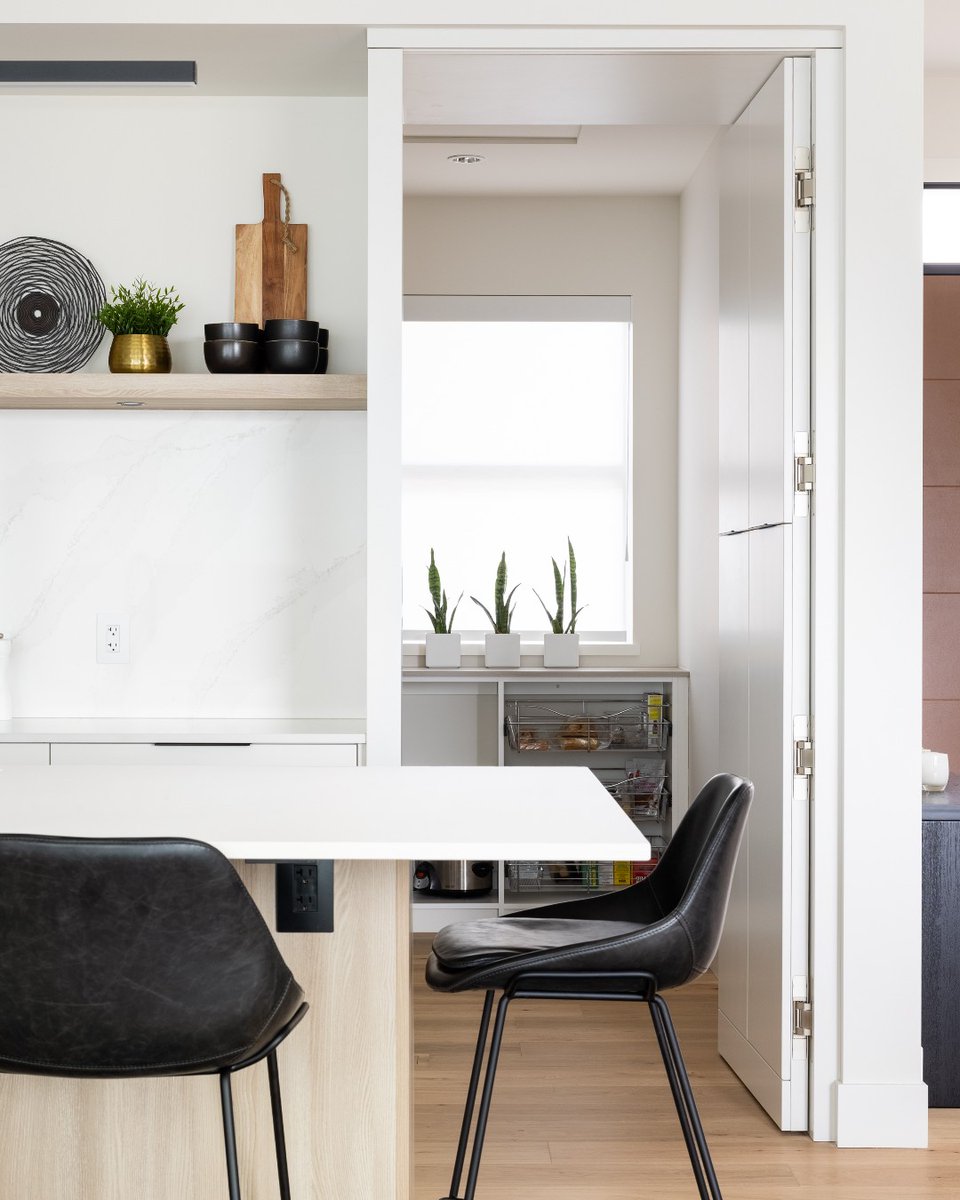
x,y
140,352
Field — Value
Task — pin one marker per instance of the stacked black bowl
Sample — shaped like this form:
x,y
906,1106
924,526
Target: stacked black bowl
x,y
233,347
295,347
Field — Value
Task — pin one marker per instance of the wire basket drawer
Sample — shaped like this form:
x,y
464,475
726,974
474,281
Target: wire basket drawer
x,y
536,727
525,876
641,799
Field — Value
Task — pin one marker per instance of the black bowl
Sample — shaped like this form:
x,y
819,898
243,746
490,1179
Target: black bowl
x,y
291,356
287,327
234,331
322,361
233,356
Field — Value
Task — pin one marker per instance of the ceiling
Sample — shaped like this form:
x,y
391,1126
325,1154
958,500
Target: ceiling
x,y
642,122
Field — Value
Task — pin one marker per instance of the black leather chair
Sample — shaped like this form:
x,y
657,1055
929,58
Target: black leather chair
x,y
139,957
629,945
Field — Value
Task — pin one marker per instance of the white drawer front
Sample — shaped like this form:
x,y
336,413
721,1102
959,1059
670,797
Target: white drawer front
x,y
24,754
140,754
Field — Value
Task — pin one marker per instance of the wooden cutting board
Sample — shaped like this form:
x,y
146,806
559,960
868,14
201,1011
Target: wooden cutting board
x,y
271,276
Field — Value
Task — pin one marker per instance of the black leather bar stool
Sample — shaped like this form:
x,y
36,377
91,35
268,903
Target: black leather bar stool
x,y
139,957
629,945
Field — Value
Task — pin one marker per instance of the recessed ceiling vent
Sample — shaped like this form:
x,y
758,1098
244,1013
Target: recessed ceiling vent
x,y
33,73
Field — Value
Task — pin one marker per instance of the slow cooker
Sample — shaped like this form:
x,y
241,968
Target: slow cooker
x,y
453,878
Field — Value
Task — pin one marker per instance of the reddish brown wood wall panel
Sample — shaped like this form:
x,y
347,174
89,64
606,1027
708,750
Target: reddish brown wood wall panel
x,y
941,515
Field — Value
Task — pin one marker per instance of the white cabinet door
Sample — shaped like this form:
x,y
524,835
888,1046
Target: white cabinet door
x,y
179,755
24,754
764,588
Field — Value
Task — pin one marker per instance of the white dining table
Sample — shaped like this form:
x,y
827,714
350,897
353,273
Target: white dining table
x,y
348,1069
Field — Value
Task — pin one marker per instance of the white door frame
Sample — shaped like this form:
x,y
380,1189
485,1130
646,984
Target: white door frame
x,y
866,1082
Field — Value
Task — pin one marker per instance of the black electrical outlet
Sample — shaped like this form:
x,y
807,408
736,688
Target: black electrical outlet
x,y
305,897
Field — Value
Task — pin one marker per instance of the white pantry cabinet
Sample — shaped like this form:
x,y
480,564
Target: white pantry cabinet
x,y
628,725
180,754
333,742
25,754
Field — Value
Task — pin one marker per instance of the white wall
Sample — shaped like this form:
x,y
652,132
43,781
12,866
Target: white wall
x,y
233,542
941,128
154,186
698,484
620,246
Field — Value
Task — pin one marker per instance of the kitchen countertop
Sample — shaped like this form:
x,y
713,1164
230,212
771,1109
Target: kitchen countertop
x,y
331,812
201,730
945,805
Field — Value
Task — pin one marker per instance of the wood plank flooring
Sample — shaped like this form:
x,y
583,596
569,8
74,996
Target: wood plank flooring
x,y
582,1111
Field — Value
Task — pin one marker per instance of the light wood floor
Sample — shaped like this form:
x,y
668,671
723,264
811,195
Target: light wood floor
x,y
582,1111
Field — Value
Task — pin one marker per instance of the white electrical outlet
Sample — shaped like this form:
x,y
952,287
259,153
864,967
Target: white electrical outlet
x,y
113,638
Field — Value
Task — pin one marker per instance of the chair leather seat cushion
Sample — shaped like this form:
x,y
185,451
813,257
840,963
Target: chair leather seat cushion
x,y
470,944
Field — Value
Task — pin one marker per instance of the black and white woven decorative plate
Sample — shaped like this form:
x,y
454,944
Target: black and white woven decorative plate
x,y
49,299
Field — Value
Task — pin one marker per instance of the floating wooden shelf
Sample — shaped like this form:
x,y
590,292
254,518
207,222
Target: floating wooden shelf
x,y
322,393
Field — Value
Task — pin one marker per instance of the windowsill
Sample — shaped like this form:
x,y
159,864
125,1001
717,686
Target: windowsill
x,y
532,645
609,656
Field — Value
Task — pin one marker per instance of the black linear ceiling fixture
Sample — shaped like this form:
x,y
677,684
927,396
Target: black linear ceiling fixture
x,y
25,73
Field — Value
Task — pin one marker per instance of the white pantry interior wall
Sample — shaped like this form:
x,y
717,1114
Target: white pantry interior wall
x,y
698,483
233,541
941,129
576,245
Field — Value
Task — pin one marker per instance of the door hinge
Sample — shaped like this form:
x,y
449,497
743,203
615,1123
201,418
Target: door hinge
x,y
803,194
803,757
805,473
802,1018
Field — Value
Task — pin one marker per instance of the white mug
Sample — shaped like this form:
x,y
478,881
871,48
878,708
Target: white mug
x,y
936,771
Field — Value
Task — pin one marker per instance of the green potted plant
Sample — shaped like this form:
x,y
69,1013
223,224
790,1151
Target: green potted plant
x,y
561,648
443,645
501,647
140,317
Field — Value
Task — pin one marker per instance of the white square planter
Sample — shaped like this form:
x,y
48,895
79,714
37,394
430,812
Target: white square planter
x,y
443,650
561,649
501,650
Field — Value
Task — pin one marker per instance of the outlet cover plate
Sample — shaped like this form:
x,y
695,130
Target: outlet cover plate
x,y
113,638
291,917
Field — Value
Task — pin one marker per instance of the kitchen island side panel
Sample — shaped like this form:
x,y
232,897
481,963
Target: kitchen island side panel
x,y
345,1076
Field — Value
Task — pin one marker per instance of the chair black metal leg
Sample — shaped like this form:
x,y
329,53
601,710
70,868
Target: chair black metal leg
x,y
685,1127
471,1096
278,1137
690,1123
485,1097
229,1135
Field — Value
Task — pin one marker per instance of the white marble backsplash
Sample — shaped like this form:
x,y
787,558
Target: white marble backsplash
x,y
232,541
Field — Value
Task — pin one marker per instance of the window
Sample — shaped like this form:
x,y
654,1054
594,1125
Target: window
x,y
941,229
516,435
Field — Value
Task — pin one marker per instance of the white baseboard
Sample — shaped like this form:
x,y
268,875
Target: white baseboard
x,y
882,1115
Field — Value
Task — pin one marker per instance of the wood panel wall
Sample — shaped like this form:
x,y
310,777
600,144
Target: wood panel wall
x,y
941,516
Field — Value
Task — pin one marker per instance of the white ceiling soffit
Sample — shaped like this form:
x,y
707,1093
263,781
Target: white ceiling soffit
x,y
232,60
606,160
581,89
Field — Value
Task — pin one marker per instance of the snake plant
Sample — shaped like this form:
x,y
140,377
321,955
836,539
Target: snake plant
x,y
438,618
560,585
501,602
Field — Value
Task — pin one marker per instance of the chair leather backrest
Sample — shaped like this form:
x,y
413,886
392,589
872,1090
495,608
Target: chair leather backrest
x,y
695,874
130,956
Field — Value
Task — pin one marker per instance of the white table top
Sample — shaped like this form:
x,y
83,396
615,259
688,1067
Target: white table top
x,y
331,812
